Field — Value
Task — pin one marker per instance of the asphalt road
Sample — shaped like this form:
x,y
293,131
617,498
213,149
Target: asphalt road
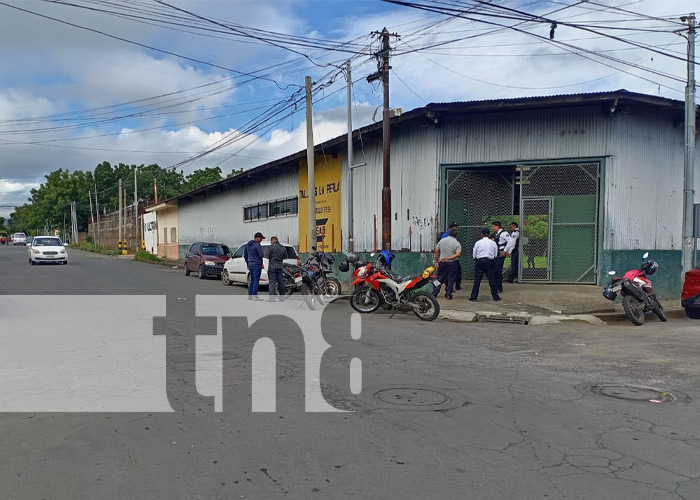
x,y
498,411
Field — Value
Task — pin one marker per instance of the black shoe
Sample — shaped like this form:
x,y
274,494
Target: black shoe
x,y
509,281
458,288
448,297
472,300
497,299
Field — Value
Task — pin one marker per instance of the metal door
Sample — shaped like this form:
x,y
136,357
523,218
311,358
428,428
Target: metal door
x,y
572,222
474,198
535,243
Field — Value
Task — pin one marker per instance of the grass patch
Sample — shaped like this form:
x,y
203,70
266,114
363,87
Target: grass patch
x,y
91,247
144,256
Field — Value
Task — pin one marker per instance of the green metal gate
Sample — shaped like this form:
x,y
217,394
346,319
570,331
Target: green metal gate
x,y
559,213
474,198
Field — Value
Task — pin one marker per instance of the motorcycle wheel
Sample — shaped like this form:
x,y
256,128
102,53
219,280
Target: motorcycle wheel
x,y
429,307
658,310
308,297
289,286
365,300
333,289
634,310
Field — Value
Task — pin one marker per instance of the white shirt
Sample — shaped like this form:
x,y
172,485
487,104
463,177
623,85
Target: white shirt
x,y
512,241
485,248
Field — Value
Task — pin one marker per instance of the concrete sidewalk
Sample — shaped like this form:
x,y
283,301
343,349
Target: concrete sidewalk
x,y
539,304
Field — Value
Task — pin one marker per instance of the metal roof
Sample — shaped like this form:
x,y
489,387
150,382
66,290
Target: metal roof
x,y
454,108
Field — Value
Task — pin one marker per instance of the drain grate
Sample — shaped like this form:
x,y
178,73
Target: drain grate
x,y
412,398
503,319
635,393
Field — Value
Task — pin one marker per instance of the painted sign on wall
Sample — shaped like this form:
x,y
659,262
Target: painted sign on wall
x,y
328,231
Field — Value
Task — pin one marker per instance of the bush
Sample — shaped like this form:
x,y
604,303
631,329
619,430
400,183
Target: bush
x,y
144,256
89,239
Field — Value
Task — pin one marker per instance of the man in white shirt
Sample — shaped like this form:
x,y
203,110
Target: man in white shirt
x,y
485,253
501,238
447,253
513,250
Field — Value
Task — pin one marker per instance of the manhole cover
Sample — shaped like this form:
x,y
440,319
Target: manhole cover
x,y
635,393
412,398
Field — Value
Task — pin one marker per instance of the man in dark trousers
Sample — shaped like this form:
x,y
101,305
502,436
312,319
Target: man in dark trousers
x,y
484,253
447,254
501,238
458,280
513,250
276,253
253,256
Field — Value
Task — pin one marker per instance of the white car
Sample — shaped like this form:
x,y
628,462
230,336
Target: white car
x,y
236,271
19,239
47,249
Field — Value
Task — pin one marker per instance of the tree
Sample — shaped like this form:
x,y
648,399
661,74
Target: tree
x,y
235,172
200,178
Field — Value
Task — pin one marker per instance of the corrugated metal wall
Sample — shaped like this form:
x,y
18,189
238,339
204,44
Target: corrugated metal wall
x,y
219,216
414,177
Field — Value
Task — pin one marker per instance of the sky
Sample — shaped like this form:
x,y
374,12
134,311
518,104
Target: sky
x,y
129,89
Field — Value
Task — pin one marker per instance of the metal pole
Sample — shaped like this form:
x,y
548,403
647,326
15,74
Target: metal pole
x,y
136,232
155,190
311,185
351,214
688,187
97,212
92,217
386,138
120,215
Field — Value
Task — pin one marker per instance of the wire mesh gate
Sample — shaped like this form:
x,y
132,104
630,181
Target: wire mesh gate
x,y
559,230
475,198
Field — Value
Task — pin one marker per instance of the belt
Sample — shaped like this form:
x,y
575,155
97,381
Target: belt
x,y
484,258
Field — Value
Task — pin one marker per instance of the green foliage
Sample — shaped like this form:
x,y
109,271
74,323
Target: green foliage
x,y
91,247
144,256
200,178
235,172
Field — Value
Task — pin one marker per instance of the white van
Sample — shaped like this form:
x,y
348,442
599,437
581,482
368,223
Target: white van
x,y
19,239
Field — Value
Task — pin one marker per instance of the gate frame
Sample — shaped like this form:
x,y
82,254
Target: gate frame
x,y
602,161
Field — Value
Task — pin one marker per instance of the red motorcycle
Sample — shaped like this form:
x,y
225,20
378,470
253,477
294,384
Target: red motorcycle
x,y
638,295
376,285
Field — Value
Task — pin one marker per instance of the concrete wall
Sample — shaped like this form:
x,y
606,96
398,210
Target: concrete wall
x,y
219,216
106,233
168,232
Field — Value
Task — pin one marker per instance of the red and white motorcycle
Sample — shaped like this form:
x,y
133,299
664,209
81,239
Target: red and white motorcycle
x,y
376,285
637,293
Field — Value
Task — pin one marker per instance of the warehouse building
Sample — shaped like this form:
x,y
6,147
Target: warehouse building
x,y
594,179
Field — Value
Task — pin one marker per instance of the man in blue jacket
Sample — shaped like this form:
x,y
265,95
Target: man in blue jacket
x,y
253,256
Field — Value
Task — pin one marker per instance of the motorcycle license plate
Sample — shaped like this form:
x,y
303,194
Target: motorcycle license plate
x,y
297,279
616,288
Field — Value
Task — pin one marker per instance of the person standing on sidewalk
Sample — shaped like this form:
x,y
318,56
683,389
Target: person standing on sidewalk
x,y
513,250
485,252
458,280
447,252
276,253
501,238
253,256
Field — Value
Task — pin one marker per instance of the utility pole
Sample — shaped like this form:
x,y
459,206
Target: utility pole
x,y
155,190
92,216
97,211
383,74
136,232
351,185
311,185
688,179
120,216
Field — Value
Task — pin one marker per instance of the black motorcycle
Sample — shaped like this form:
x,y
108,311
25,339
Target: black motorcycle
x,y
297,279
319,267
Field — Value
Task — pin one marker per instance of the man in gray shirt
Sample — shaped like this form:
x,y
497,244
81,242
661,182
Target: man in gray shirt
x,y
276,253
447,253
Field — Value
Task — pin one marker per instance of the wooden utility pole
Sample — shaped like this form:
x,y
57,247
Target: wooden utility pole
x,y
155,190
386,140
97,211
351,214
311,185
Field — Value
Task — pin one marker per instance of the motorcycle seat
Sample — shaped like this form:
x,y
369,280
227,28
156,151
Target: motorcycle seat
x,y
399,279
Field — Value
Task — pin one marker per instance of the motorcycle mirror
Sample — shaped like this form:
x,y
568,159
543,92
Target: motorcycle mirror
x,y
645,255
612,273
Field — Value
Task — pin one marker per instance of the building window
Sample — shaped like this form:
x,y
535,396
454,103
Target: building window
x,y
173,235
276,208
165,236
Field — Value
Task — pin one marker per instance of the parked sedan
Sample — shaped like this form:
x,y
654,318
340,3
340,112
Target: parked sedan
x,y
690,297
206,258
44,249
236,271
